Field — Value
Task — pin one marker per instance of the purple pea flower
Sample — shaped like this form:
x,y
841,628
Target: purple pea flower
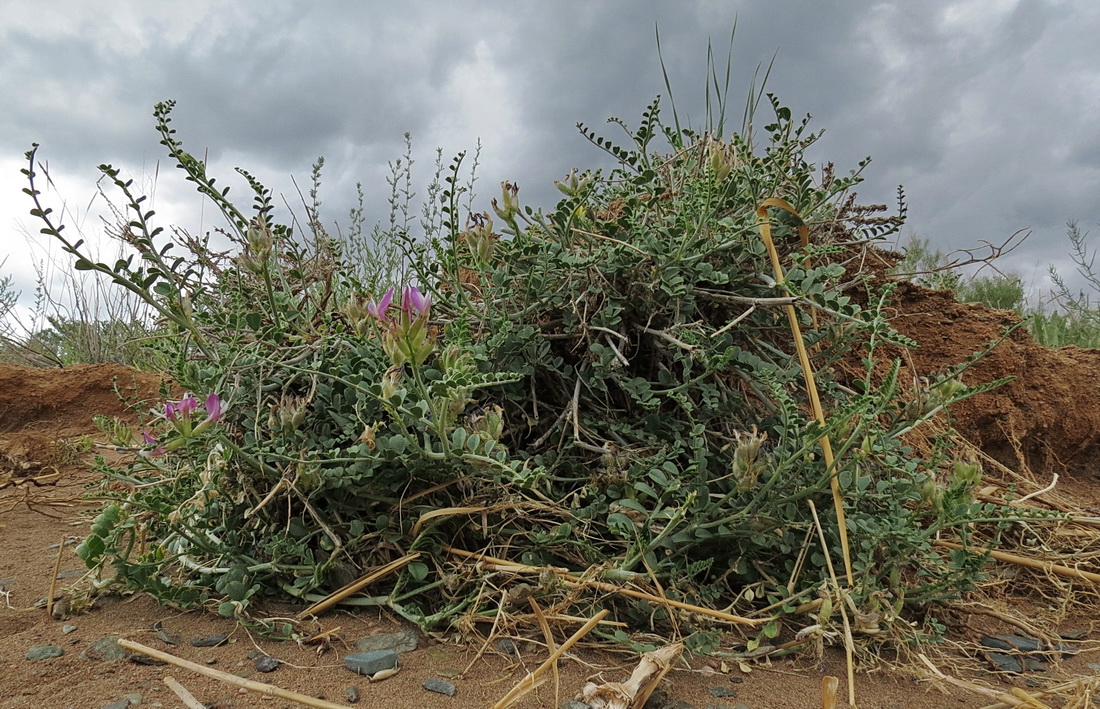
x,y
158,449
181,410
415,303
379,309
213,408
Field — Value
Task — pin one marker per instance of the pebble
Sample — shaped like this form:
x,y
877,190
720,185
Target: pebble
x,y
133,698
141,659
105,649
573,704
266,663
371,663
353,695
506,645
404,640
209,641
43,652
441,686
68,629
167,638
722,692
120,704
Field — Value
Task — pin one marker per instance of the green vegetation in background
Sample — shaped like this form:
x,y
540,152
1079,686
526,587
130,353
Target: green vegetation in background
x,y
1063,318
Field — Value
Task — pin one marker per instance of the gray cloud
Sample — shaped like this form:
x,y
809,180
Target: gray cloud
x,y
987,112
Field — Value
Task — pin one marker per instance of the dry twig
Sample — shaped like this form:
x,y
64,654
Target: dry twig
x,y
258,687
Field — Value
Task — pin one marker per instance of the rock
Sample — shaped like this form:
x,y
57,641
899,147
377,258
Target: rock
x,y
573,704
661,700
105,649
404,640
441,686
1015,663
353,695
133,698
68,628
167,638
1023,643
120,704
209,641
43,652
721,692
139,659
506,646
266,663
371,663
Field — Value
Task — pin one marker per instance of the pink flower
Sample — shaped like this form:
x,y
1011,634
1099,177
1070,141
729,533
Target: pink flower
x,y
213,408
415,303
150,441
379,309
181,410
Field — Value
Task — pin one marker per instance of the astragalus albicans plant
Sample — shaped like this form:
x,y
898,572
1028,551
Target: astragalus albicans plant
x,y
552,407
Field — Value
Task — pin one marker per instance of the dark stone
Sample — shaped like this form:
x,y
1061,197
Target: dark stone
x,y
43,652
68,629
371,663
266,663
1016,664
440,686
506,646
353,695
139,659
404,640
721,692
105,650
1023,643
209,641
167,638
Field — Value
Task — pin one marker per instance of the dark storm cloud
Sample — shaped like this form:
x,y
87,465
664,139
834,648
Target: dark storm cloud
x,y
986,111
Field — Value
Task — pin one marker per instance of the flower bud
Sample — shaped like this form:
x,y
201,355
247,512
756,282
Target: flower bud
x,y
479,237
574,183
508,207
748,462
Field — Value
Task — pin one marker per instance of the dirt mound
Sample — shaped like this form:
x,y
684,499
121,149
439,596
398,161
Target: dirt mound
x,y
1047,419
63,401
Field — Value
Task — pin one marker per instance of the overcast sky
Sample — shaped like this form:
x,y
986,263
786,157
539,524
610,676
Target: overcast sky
x,y
987,111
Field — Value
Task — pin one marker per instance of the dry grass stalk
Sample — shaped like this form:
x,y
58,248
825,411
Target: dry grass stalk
x,y
1047,566
633,693
53,578
1081,687
764,224
1018,698
849,642
574,581
549,636
258,687
829,686
185,696
534,679
358,585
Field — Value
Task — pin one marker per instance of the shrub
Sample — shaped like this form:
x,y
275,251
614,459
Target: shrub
x,y
611,387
